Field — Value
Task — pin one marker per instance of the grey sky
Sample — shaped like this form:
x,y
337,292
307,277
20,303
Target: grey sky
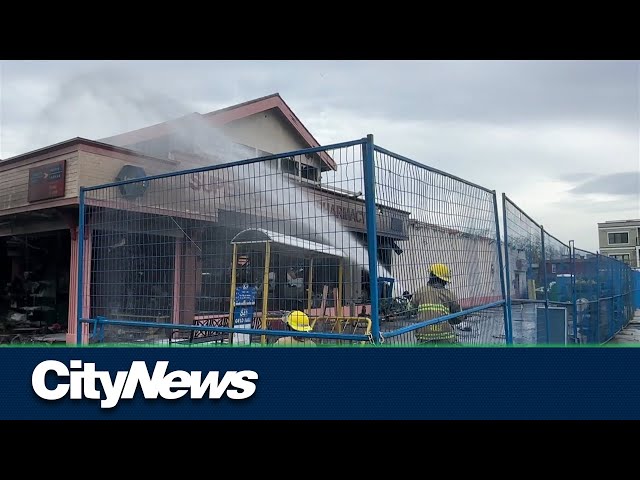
x,y
618,184
560,138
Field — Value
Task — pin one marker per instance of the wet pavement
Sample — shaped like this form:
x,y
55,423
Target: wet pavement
x,y
629,334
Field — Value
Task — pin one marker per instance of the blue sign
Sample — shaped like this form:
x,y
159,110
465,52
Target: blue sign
x,y
246,295
244,305
243,315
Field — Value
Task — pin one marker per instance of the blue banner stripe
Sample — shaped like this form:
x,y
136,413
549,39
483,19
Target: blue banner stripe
x,y
374,383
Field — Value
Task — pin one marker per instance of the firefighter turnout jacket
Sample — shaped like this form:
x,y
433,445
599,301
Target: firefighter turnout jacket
x,y
433,301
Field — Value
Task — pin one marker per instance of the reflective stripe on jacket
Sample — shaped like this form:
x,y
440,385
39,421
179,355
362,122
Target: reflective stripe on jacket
x,y
433,301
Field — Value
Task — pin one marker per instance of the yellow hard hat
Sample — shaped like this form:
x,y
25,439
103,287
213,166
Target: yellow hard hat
x,y
441,271
299,321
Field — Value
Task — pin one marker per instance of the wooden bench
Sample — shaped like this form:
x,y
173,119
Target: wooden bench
x,y
195,336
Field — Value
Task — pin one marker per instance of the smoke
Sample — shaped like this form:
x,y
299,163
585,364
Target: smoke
x,y
259,182
110,101
103,102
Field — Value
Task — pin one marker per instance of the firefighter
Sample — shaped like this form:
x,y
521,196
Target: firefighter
x,y
297,321
434,300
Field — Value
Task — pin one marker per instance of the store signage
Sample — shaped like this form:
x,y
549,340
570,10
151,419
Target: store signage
x,y
47,181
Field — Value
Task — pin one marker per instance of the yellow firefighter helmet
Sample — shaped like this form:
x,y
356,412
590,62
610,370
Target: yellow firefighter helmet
x,y
298,321
441,271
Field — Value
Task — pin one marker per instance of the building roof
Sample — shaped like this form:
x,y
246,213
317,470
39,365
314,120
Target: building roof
x,y
224,116
609,222
73,142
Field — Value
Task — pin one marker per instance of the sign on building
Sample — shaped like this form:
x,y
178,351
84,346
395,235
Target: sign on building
x,y
47,181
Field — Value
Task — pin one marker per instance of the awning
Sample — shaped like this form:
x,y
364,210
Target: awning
x,y
309,248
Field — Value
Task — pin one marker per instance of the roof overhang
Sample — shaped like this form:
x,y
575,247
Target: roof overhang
x,y
287,242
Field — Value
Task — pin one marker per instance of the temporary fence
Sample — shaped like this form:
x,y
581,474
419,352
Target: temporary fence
x,y
451,222
557,293
321,246
333,245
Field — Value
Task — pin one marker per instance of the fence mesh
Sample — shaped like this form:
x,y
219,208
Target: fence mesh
x,y
224,254
615,299
448,221
587,295
249,242
559,294
275,251
558,287
525,279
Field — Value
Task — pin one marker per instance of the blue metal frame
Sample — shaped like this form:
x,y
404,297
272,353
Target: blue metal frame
x,y
612,310
597,298
635,289
80,282
574,293
372,233
98,328
441,319
82,207
546,285
522,211
506,307
369,149
99,323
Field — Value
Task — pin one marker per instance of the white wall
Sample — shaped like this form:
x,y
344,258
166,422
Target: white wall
x,y
473,262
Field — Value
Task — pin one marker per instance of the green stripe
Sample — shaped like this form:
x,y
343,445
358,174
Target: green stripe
x,y
433,307
435,336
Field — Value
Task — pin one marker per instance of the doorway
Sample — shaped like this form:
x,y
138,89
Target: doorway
x,y
35,281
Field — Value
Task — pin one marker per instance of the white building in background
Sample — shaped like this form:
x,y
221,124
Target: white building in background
x,y
620,239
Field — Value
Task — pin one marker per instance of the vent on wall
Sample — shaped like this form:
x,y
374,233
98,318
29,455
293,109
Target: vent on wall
x,y
134,189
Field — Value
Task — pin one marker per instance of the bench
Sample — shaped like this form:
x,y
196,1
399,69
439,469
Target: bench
x,y
195,336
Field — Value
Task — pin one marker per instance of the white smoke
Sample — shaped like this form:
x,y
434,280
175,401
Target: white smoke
x,y
110,101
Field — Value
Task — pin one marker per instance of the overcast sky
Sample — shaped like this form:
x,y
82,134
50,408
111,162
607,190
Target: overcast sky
x,y
560,138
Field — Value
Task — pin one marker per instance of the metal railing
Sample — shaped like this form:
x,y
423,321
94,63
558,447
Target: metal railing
x,y
244,240
560,294
222,254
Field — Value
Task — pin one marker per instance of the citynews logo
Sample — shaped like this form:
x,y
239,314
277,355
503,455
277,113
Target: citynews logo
x,y
83,380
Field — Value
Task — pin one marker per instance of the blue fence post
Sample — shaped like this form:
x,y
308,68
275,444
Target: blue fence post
x,y
546,285
629,292
372,239
98,329
504,277
621,299
80,265
634,288
634,292
597,298
626,305
574,293
612,292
